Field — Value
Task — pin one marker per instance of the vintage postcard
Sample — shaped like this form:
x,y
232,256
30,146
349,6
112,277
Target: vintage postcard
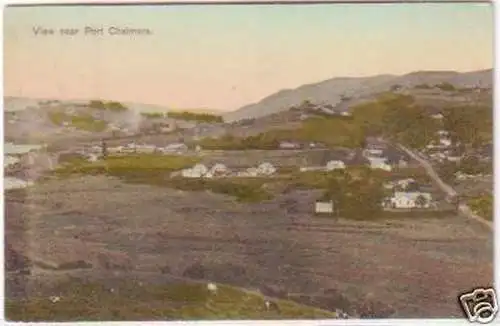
x,y
248,161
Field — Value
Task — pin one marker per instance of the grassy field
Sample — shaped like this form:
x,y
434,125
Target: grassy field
x,y
155,170
79,121
86,301
483,206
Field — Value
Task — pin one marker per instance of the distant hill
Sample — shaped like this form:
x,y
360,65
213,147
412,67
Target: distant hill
x,y
348,90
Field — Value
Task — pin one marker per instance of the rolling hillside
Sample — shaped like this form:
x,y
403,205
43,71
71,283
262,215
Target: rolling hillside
x,y
345,91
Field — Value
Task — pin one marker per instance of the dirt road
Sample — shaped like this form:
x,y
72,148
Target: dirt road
x,y
462,208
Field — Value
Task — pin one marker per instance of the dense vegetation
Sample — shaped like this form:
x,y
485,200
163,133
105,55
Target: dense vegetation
x,y
470,125
482,206
81,121
153,115
111,106
199,117
356,198
92,301
329,130
397,117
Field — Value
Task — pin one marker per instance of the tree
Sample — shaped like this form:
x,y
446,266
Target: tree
x,y
96,104
421,201
104,149
444,86
116,106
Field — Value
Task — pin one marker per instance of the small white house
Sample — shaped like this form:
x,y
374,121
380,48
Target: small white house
x,y
250,172
289,145
323,207
334,165
373,152
92,157
219,170
311,168
266,169
453,158
406,200
445,142
437,116
197,171
443,133
176,147
404,183
380,163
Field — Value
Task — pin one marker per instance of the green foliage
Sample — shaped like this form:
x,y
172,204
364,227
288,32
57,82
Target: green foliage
x,y
356,198
87,301
483,206
200,117
447,171
397,117
151,165
153,115
423,86
472,165
410,125
444,86
469,125
111,106
244,189
80,121
229,142
331,131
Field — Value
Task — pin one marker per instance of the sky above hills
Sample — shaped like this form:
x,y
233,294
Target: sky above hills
x,y
223,57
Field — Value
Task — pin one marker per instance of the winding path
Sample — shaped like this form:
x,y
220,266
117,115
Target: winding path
x,y
462,208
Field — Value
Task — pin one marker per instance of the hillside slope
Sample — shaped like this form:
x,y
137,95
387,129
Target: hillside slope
x,y
333,91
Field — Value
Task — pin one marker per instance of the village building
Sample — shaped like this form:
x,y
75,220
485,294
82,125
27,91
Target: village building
x,y
218,170
379,163
175,148
445,142
289,145
407,200
437,116
250,172
323,207
311,168
266,169
334,165
197,171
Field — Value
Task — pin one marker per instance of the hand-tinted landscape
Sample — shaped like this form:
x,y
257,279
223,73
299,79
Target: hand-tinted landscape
x,y
240,162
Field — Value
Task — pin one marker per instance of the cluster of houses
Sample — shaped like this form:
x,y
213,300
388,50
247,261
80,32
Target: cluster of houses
x,y
443,149
405,195
380,156
291,145
220,170
330,166
174,148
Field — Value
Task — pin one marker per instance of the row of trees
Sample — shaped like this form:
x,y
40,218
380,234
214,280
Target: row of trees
x,y
200,117
396,117
355,198
230,142
111,105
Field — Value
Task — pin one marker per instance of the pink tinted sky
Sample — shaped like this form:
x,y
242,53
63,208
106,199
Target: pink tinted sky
x,y
223,57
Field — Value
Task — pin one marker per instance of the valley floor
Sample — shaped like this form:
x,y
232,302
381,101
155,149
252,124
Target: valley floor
x,y
399,267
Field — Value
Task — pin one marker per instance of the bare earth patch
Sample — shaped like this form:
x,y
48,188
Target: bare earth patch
x,y
409,267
